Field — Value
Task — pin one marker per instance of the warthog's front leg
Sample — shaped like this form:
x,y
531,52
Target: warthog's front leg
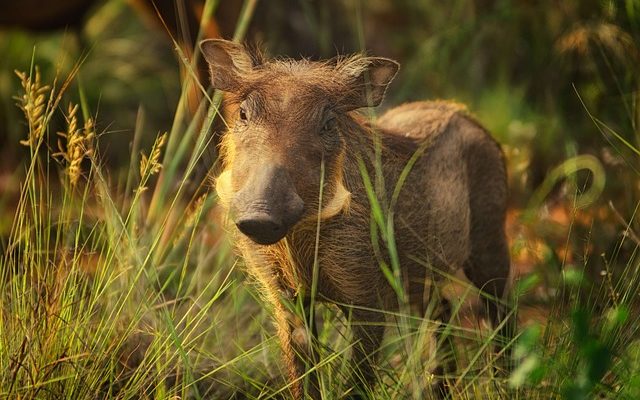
x,y
297,336
292,322
368,331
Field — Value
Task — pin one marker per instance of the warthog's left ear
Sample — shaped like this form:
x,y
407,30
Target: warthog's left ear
x,y
228,62
369,78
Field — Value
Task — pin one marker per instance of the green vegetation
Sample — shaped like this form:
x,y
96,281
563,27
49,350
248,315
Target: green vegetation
x,y
117,279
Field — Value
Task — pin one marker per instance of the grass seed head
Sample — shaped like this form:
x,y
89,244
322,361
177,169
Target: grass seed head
x,y
151,165
32,103
78,144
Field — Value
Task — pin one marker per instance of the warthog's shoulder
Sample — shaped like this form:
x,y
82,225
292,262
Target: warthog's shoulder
x,y
421,120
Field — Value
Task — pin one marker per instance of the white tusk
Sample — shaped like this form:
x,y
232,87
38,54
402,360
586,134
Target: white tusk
x,y
339,203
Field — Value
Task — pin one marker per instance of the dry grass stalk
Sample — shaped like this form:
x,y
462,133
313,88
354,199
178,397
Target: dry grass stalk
x,y
78,146
582,38
32,103
151,165
194,211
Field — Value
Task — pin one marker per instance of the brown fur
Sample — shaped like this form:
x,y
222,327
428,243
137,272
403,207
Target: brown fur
x,y
448,214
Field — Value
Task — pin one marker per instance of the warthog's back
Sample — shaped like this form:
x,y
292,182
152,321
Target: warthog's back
x,y
460,176
420,120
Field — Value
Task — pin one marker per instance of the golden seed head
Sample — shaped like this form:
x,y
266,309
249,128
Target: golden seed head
x,y
151,165
78,144
32,104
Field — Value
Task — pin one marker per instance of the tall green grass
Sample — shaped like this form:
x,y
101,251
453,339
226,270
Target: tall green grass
x,y
108,293
116,287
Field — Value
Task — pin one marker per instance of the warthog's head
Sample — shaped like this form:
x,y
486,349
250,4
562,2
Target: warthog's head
x,y
287,121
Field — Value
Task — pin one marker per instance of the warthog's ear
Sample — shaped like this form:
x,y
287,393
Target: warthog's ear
x,y
228,62
369,78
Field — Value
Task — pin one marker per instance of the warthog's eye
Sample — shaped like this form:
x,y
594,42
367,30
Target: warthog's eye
x,y
329,124
243,114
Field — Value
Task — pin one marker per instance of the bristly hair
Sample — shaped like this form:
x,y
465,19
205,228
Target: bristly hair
x,y
327,74
256,52
353,64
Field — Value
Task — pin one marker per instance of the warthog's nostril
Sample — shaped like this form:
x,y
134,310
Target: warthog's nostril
x,y
261,228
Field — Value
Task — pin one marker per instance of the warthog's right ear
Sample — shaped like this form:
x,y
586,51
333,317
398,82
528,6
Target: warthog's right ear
x,y
228,62
368,79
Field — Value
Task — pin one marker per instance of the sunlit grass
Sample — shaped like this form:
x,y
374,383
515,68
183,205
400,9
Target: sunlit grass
x,y
127,287
100,300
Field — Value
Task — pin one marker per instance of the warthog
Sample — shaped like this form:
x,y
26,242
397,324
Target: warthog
x,y
302,170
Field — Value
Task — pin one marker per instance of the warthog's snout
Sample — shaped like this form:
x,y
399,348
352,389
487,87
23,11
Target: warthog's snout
x,y
268,206
261,228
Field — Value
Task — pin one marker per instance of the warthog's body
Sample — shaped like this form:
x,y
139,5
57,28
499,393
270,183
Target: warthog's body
x,y
460,179
447,214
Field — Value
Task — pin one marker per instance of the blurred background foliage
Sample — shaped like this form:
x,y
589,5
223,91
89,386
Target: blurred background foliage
x,y
549,79
530,71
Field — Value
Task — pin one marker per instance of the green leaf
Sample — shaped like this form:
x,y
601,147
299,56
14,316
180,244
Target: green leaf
x,y
527,341
531,369
525,284
615,317
573,277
